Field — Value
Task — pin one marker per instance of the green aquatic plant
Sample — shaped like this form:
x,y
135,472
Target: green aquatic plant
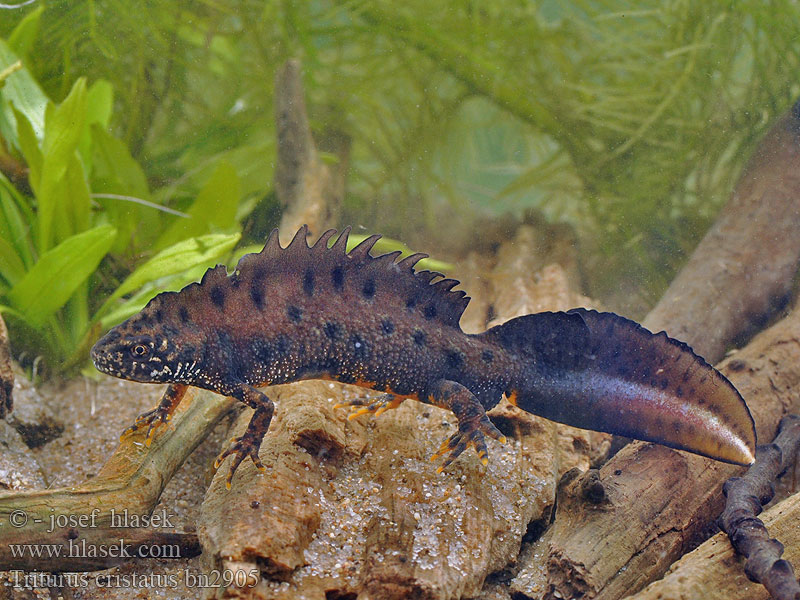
x,y
54,239
628,120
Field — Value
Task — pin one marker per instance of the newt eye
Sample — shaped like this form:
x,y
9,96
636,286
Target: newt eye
x,y
139,350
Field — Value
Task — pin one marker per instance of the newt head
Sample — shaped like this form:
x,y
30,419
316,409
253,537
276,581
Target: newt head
x,y
147,348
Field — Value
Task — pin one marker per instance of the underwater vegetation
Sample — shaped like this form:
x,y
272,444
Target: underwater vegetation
x,y
138,139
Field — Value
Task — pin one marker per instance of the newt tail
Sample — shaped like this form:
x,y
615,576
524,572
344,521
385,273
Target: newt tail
x,y
306,312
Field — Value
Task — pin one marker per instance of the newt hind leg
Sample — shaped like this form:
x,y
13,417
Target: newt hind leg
x,y
161,414
247,445
473,424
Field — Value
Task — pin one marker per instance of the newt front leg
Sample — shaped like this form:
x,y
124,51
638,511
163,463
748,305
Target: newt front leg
x,y
161,414
249,443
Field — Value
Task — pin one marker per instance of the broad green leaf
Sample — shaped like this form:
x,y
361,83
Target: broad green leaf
x,y
214,209
71,200
114,170
99,102
24,34
178,258
29,145
21,91
15,221
63,128
12,269
58,273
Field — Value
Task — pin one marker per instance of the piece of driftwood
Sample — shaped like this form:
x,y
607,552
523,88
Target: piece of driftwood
x,y
744,266
745,497
6,372
350,508
79,520
310,194
715,571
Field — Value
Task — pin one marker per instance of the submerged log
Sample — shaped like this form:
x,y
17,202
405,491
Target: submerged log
x,y
715,571
81,516
745,265
309,191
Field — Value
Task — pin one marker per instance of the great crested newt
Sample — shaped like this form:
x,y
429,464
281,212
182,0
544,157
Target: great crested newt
x,y
300,312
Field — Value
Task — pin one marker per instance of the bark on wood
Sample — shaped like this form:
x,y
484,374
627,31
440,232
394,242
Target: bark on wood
x,y
309,192
744,499
659,501
744,266
356,507
131,480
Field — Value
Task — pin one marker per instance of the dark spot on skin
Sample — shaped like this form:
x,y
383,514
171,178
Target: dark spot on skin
x,y
679,392
257,295
430,311
217,296
664,383
308,282
159,316
337,277
332,330
183,314
137,326
387,326
368,291
454,359
411,303
618,472
419,337
359,345
295,313
487,356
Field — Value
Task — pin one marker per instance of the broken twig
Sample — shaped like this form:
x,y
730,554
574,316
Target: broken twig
x,y
745,497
